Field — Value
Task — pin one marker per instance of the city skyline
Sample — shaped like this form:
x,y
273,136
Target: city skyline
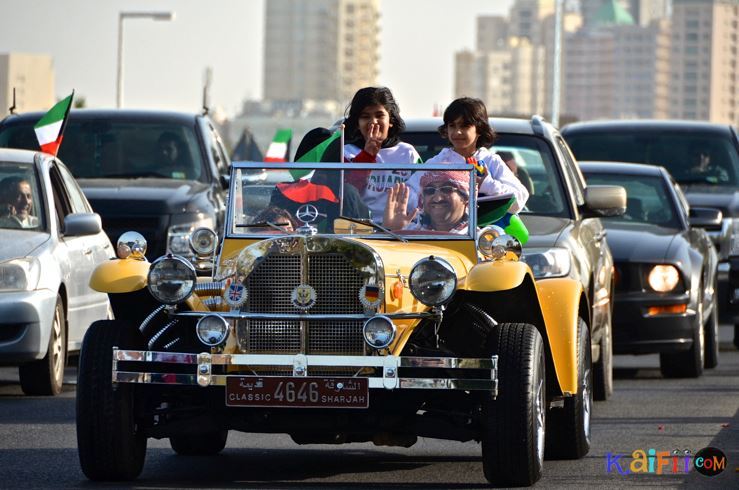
x,y
416,51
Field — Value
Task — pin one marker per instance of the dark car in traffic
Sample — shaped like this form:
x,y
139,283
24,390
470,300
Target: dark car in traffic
x,y
702,157
161,173
666,265
566,238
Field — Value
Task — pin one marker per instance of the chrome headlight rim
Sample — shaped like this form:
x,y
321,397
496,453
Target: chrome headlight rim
x,y
157,264
485,239
220,320
391,336
196,243
663,278
413,285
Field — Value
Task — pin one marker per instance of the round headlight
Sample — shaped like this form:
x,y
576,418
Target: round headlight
x,y
203,241
212,330
485,240
379,332
131,244
663,278
171,279
433,281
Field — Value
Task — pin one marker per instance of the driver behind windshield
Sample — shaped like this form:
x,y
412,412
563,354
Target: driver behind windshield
x,y
443,205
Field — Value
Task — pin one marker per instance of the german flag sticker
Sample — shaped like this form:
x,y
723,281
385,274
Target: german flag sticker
x,y
370,296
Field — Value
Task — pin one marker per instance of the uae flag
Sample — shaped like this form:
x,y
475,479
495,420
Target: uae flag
x,y
50,128
280,146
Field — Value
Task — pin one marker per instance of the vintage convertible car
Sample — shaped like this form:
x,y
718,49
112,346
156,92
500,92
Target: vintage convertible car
x,y
333,329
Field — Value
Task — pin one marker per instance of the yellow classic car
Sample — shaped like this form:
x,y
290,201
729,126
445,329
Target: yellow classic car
x,y
331,325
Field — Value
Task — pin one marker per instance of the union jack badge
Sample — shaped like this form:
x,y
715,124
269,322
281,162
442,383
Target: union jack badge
x,y
370,296
303,297
235,295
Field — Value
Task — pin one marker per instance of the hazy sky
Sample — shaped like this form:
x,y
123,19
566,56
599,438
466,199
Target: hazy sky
x,y
164,62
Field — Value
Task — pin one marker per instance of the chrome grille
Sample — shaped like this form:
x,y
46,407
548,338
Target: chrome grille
x,y
336,282
283,336
271,336
341,337
271,283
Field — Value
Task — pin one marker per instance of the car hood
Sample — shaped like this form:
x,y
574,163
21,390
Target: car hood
x,y
544,231
20,243
639,242
723,198
144,196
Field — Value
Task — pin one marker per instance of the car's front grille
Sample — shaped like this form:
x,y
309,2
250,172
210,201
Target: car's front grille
x,y
283,337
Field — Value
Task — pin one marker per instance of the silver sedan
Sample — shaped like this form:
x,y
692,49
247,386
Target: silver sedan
x,y
50,242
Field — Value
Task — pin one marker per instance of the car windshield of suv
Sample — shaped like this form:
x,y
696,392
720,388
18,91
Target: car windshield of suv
x,y
310,198
20,203
529,155
98,148
692,158
648,200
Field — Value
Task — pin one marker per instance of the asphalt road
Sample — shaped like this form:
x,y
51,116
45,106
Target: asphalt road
x,y
38,445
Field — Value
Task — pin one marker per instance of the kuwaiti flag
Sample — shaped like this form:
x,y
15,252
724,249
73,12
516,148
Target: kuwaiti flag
x,y
50,128
314,155
277,151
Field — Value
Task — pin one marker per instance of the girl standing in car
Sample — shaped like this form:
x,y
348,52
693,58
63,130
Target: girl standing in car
x,y
467,128
372,126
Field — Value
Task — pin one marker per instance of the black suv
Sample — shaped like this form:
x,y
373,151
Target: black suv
x,y
160,173
704,159
566,236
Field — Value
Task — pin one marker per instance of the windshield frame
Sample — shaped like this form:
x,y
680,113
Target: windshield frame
x,y
243,165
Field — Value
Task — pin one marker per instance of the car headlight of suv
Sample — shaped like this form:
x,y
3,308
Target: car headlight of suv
x,y
171,279
548,262
20,274
663,278
178,236
433,281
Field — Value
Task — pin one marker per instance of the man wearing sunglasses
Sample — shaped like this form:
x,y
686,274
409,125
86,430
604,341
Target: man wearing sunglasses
x,y
443,204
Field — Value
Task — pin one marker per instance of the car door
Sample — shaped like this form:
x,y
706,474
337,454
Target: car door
x,y
83,254
591,236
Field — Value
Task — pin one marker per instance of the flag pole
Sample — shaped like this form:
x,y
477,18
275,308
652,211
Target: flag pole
x,y
341,172
64,122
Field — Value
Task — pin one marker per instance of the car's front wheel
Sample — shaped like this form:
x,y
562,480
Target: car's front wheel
x,y
46,376
568,436
199,444
514,423
109,445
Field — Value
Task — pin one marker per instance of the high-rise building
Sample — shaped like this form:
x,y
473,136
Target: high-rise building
x,y
705,55
32,77
591,10
526,18
645,11
492,32
320,50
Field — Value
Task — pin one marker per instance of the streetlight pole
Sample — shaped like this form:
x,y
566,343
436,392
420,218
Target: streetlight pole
x,y
556,72
161,16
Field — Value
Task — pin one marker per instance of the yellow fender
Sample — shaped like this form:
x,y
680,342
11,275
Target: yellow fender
x,y
495,276
120,276
560,301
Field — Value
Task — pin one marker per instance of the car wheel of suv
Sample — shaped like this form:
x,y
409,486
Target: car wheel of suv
x,y
199,444
712,339
46,376
603,369
109,445
514,423
689,363
568,436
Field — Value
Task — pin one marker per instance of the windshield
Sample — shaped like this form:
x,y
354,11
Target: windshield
x,y
104,148
529,157
336,199
648,199
691,158
21,205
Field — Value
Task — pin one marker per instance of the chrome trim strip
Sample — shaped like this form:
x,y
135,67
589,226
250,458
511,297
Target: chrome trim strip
x,y
297,316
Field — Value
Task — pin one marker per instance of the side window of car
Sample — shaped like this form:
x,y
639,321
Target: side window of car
x,y
218,152
76,198
572,172
681,199
62,204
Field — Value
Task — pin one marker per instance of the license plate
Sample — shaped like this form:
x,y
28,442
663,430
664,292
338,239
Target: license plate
x,y
307,392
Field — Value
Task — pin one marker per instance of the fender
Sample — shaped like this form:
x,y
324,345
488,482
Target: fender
x,y
560,317
496,276
120,276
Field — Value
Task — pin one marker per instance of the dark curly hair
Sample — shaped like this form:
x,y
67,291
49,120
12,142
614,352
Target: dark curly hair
x,y
368,96
473,113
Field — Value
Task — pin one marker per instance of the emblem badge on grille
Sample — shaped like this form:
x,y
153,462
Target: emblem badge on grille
x,y
303,297
235,294
370,296
307,213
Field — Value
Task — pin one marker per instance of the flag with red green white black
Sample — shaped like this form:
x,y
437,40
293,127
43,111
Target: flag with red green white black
x,y
50,128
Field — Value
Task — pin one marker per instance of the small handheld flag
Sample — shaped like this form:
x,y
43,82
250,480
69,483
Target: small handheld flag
x,y
280,146
50,128
479,166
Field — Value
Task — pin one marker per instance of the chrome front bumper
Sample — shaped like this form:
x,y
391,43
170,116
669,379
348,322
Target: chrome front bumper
x,y
390,379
